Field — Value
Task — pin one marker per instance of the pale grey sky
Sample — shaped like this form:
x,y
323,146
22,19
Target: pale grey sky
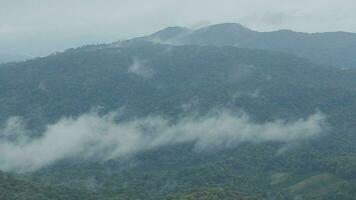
x,y
38,27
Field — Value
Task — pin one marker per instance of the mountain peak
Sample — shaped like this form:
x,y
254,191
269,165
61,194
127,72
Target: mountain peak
x,y
170,32
231,27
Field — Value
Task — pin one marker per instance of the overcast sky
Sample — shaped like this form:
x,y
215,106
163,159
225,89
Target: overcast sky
x,y
38,27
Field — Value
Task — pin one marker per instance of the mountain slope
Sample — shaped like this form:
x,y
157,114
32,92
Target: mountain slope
x,y
73,82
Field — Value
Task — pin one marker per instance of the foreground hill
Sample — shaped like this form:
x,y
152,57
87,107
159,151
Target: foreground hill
x,y
12,188
213,194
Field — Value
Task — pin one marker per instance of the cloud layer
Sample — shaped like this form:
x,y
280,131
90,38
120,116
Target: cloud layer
x,y
141,68
101,137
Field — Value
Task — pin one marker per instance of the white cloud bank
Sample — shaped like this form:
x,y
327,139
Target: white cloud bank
x,y
92,135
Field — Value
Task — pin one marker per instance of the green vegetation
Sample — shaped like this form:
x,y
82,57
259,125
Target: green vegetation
x,y
16,189
315,186
212,194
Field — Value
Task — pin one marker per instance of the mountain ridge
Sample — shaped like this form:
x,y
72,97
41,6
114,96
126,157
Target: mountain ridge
x,y
328,48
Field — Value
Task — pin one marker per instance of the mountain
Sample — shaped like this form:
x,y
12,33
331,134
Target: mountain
x,y
333,48
272,101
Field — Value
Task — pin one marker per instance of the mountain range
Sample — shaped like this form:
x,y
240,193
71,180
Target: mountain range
x,y
332,48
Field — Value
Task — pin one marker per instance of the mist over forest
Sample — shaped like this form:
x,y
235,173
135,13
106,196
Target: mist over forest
x,y
232,104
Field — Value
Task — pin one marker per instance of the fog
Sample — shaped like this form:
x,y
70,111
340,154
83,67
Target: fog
x,y
141,68
101,137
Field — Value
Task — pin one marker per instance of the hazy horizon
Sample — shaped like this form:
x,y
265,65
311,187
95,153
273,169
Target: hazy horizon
x,y
38,28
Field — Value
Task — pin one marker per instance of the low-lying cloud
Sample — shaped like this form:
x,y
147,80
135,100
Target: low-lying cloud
x,y
140,68
100,136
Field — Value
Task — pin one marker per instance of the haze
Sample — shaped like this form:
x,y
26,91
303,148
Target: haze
x,y
40,27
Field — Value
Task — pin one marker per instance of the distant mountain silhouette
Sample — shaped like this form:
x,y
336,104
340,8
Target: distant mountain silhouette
x,y
330,48
8,57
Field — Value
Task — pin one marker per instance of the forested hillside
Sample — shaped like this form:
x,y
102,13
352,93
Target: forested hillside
x,y
144,120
